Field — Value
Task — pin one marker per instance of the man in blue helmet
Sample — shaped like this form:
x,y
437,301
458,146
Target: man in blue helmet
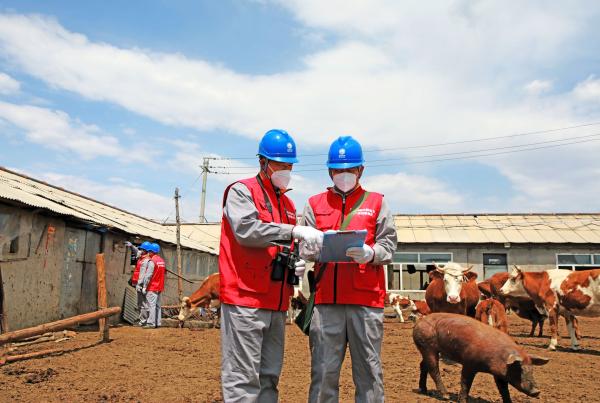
x,y
141,254
349,296
254,288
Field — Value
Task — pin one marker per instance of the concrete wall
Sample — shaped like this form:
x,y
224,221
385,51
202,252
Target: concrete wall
x,y
530,257
35,281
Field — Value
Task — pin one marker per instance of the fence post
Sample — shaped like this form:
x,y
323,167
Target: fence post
x,y
102,300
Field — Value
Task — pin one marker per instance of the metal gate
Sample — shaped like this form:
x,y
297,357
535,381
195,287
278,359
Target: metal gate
x,y
78,293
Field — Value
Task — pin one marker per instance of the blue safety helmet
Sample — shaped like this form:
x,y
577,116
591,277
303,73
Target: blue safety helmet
x,y
278,145
345,152
145,246
154,248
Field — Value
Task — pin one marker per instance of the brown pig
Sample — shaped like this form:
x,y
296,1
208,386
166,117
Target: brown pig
x,y
479,348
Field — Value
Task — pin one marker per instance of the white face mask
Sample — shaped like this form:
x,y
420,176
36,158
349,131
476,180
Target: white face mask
x,y
281,179
346,181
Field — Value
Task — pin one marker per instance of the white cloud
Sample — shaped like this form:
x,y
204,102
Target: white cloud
x,y
400,73
131,198
588,90
8,85
414,192
537,87
57,130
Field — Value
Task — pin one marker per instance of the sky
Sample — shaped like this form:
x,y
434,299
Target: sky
x,y
461,106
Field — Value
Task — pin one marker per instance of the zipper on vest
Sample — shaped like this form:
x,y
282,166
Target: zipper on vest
x,y
335,267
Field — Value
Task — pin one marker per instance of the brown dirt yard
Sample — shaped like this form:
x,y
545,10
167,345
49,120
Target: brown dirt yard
x,y
181,365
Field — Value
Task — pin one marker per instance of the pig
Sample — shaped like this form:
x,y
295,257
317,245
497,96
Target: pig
x,y
479,348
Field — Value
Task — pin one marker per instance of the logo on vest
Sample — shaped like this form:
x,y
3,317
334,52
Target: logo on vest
x,y
365,211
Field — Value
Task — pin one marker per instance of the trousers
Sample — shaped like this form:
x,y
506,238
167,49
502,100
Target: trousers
x,y
333,327
252,342
154,311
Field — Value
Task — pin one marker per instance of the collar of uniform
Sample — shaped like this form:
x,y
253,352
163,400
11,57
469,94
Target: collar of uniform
x,y
356,191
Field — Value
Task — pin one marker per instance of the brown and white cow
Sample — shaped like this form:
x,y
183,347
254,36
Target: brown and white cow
x,y
206,296
452,289
492,312
297,302
561,292
400,303
524,307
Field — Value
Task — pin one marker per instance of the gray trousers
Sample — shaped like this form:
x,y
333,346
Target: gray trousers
x,y
252,343
154,311
142,305
331,329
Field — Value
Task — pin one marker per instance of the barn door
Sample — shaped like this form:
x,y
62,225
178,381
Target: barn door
x,y
89,278
70,285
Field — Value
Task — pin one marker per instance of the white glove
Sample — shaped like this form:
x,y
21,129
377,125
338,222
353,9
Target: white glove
x,y
361,254
127,243
310,235
144,290
300,268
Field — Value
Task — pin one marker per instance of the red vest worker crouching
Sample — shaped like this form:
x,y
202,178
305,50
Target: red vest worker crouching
x,y
349,283
246,271
157,281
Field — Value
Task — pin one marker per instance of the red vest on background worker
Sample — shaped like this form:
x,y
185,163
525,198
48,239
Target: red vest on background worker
x,y
157,282
349,283
245,273
136,272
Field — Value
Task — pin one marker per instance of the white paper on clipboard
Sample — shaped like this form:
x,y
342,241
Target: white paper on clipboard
x,y
335,244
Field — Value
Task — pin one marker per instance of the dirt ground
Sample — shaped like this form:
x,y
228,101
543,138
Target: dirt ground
x,y
182,365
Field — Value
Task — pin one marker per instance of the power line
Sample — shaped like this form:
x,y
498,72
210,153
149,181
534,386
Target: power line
x,y
447,143
445,154
526,147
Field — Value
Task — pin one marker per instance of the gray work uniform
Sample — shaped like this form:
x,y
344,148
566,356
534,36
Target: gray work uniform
x,y
252,339
152,297
334,326
141,298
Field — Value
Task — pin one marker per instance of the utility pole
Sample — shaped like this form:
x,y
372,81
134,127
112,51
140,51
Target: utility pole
x,y
205,172
178,237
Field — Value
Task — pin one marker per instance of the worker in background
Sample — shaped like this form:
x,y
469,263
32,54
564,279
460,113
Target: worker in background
x,y
141,254
349,297
254,297
153,284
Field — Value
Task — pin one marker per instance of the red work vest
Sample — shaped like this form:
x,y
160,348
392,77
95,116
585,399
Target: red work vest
x,y
157,282
245,272
136,273
349,283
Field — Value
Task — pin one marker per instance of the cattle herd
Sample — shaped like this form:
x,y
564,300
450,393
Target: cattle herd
x,y
466,322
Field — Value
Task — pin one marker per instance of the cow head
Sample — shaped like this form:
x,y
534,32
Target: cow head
x,y
453,276
185,309
513,287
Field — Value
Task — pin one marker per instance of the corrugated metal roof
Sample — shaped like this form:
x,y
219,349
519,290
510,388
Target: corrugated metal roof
x,y
459,228
17,187
499,228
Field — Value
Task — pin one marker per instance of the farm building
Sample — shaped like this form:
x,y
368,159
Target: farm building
x,y
492,243
488,243
49,238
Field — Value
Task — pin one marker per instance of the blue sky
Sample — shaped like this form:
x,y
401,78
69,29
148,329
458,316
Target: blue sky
x,y
121,100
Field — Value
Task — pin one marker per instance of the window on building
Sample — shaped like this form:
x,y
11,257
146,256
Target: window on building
x,y
494,263
578,261
410,270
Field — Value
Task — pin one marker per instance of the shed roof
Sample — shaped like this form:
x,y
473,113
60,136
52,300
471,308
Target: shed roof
x,y
567,228
18,187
